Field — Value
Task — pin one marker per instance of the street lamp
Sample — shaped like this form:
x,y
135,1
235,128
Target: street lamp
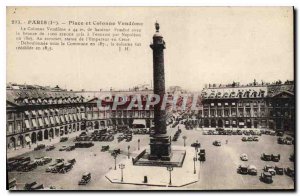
x,y
121,166
128,150
170,169
195,159
115,157
184,138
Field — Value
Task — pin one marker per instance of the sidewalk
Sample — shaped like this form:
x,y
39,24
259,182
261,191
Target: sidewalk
x,y
19,151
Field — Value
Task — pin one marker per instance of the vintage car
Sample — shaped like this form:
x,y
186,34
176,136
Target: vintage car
x,y
63,148
281,140
86,178
205,133
255,139
270,169
266,157
292,157
196,145
33,186
252,170
64,139
266,177
242,169
50,147
72,161
217,143
29,167
51,167
70,148
66,167
84,144
39,147
57,168
105,148
244,157
279,170
202,155
289,172
272,132
239,132
43,160
117,151
59,160
244,139
275,157
289,140
12,183
250,139
280,133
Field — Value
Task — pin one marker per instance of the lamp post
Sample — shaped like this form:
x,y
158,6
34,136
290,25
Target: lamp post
x,y
138,144
184,138
128,151
170,169
195,159
115,157
121,166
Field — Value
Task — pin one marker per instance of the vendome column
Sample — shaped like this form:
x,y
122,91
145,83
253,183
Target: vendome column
x,y
160,145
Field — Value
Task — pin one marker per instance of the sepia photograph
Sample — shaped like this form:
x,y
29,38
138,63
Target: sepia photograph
x,y
150,98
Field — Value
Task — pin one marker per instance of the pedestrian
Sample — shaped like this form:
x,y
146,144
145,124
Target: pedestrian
x,y
226,141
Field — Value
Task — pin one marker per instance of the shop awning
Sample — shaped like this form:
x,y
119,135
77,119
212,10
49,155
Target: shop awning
x,y
62,119
34,113
27,139
234,122
83,115
57,110
241,123
41,122
27,124
40,112
78,116
34,123
46,121
78,108
52,120
57,119
26,113
47,111
52,111
226,122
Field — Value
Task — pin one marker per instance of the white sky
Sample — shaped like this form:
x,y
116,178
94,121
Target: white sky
x,y
203,45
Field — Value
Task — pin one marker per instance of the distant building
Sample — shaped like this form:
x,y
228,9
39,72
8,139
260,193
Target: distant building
x,y
249,106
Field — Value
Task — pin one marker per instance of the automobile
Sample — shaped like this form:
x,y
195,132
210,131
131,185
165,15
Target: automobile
x,y
205,133
42,160
250,139
39,147
266,177
33,186
239,132
272,133
292,157
117,151
12,184
66,167
279,170
70,148
242,169
202,155
57,168
217,143
280,133
72,161
50,147
63,148
289,140
255,139
266,157
270,169
29,167
289,172
252,170
64,139
275,157
59,160
244,139
51,167
86,178
105,148
196,145
82,134
280,140
244,157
